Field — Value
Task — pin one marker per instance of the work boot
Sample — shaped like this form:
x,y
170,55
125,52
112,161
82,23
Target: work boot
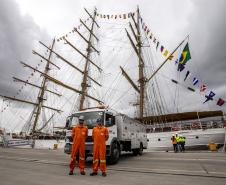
x,y
104,174
93,174
82,173
71,173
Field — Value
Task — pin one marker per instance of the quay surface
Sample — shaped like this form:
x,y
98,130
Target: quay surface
x,y
50,167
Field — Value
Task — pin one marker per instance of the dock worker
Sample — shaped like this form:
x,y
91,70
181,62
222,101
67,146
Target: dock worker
x,y
79,135
100,135
174,142
178,141
182,142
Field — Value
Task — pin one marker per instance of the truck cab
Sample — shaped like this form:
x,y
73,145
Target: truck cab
x,y
125,134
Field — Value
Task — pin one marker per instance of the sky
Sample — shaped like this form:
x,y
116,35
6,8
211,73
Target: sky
x,y
24,22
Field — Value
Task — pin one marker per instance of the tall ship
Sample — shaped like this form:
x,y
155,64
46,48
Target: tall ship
x,y
115,60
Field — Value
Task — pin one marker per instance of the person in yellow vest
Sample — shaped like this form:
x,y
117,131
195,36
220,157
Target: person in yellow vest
x,y
182,140
178,142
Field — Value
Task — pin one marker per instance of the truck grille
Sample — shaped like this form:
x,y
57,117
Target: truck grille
x,y
89,139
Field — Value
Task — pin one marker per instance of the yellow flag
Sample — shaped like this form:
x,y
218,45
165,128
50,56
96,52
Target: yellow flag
x,y
170,57
166,53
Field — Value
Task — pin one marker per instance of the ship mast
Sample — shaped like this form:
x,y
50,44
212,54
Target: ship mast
x,y
84,83
42,91
40,99
88,61
136,43
141,67
137,46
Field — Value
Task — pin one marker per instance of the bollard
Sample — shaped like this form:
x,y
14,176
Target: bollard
x,y
55,146
212,147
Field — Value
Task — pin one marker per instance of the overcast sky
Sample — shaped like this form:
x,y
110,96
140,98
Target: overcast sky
x,y
24,22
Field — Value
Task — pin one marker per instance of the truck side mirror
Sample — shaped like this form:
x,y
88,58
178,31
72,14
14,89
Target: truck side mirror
x,y
67,123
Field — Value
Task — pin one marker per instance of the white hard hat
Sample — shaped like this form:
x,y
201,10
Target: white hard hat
x,y
81,118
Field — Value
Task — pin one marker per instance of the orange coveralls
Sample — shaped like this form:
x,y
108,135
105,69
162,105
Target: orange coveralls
x,y
100,136
79,135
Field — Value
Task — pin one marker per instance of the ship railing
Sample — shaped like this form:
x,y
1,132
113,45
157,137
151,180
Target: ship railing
x,y
195,125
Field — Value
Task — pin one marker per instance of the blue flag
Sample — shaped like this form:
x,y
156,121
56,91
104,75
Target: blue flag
x,y
195,81
180,67
209,97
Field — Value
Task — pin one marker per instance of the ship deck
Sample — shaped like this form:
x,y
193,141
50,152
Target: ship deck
x,y
50,167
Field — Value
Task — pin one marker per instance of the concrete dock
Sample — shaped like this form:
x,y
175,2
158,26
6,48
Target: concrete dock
x,y
50,167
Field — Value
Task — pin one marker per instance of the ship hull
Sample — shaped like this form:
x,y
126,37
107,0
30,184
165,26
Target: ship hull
x,y
195,139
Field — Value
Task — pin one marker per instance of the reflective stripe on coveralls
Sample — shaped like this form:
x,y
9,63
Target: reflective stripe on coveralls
x,y
100,136
79,135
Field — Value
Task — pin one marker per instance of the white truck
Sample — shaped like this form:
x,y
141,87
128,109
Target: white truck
x,y
125,134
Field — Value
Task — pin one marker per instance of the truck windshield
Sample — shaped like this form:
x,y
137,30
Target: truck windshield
x,y
90,118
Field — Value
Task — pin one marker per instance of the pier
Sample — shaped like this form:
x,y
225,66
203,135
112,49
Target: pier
x,y
50,167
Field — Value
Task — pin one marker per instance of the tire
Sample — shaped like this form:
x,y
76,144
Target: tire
x,y
115,153
135,152
140,151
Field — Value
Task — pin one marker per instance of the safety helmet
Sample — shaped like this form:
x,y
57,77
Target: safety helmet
x,y
81,118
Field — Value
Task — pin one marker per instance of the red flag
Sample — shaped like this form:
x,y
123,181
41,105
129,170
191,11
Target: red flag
x,y
220,102
203,88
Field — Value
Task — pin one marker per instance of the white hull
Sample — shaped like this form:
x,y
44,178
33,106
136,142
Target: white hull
x,y
195,139
49,144
46,144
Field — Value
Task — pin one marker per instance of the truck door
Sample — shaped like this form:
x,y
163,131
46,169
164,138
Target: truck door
x,y
110,124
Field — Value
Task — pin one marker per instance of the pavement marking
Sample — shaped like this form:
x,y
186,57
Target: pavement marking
x,y
183,159
131,169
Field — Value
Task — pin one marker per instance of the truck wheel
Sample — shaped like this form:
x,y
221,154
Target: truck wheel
x,y
140,152
115,153
135,152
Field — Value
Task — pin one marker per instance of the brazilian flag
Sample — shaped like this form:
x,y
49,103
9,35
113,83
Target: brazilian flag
x,y
185,55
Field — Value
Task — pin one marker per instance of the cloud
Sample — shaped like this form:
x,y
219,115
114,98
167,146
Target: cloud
x,y
207,28
18,35
169,20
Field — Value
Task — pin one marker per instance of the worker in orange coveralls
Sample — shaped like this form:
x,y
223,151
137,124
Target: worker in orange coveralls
x,y
79,135
100,136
